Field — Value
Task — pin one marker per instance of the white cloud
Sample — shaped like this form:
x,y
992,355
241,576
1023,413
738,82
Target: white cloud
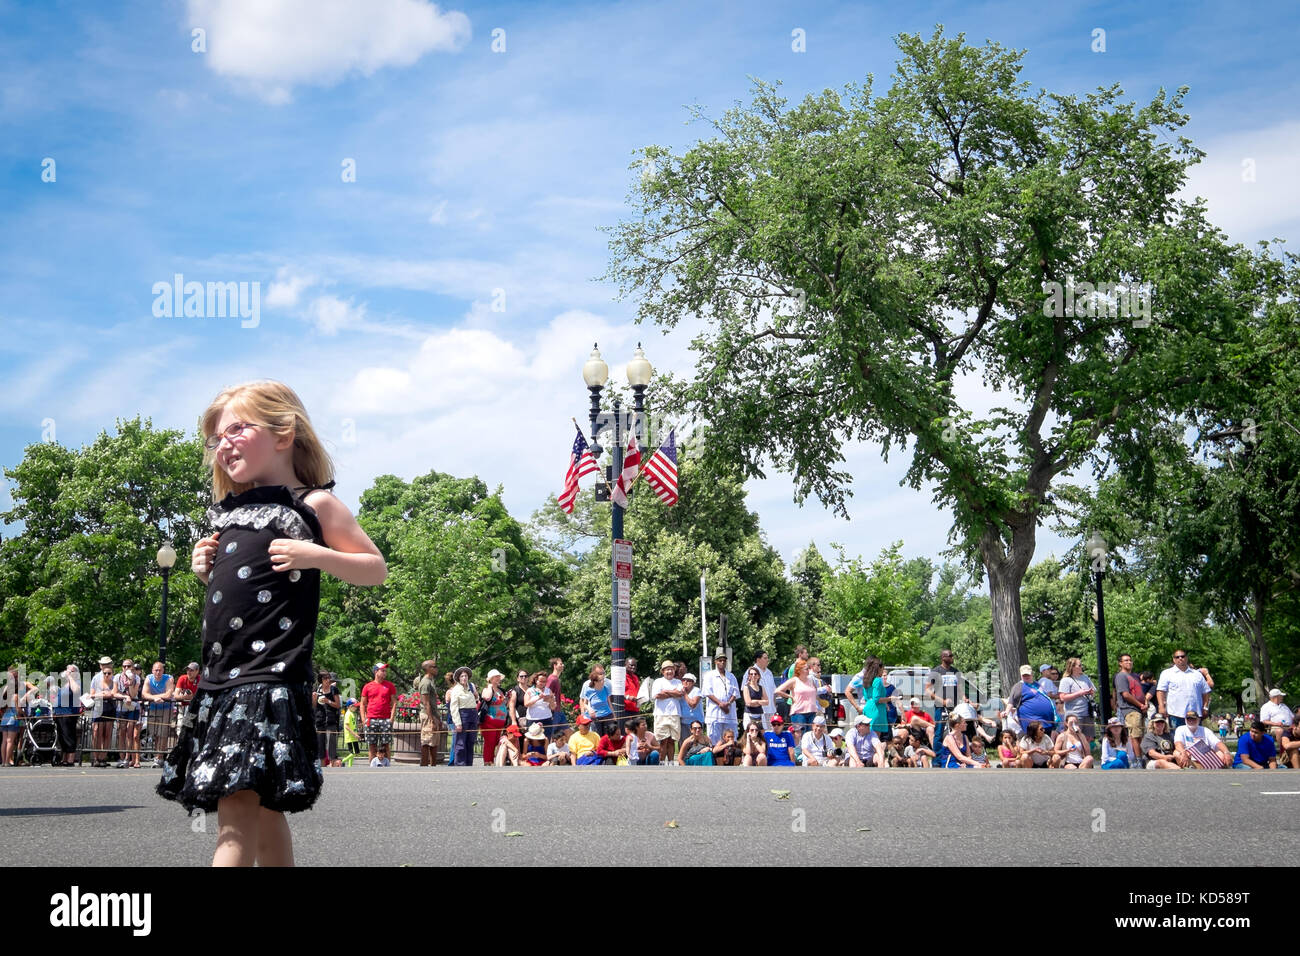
x,y
271,46
1245,208
329,314
286,289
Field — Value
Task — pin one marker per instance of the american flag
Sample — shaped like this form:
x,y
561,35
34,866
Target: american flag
x,y
631,464
661,470
581,463
1205,755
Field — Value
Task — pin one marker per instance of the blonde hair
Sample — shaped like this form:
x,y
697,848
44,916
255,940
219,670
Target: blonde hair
x,y
277,407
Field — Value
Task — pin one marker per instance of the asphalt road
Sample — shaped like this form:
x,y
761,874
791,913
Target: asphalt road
x,y
409,815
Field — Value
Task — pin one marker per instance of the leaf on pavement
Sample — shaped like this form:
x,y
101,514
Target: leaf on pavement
x,y
514,833
782,794
671,825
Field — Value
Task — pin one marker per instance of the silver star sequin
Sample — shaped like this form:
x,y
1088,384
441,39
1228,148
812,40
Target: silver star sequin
x,y
264,596
278,667
204,710
281,751
236,623
285,624
216,597
244,572
234,672
295,574
203,774
206,671
238,712
194,745
231,749
279,693
259,760
295,786
259,646
216,649
169,773
230,548
267,729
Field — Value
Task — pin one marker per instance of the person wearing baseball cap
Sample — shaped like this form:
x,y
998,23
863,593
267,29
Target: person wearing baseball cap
x,y
1030,702
721,692
1158,746
667,692
781,745
583,743
1275,715
377,699
816,745
862,747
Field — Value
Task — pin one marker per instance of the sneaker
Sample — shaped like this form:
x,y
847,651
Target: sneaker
x,y
374,762
385,762
157,764
121,765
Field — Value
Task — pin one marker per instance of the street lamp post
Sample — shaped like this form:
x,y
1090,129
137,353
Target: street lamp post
x,y
1097,551
166,560
596,373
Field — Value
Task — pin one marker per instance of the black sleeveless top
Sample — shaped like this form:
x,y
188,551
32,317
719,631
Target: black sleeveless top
x,y
258,623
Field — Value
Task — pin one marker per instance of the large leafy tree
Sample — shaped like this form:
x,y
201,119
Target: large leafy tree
x,y
81,579
854,257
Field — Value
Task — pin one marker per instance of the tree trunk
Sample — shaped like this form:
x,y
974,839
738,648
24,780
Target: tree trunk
x,y
1252,625
1006,570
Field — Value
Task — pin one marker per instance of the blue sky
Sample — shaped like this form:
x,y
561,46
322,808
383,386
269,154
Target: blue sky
x,y
476,171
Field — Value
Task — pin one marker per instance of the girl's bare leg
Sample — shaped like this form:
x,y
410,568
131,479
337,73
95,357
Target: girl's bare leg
x,y
274,841
238,817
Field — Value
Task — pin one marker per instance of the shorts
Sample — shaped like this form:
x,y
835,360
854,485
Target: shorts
x,y
668,728
1134,722
379,733
430,727
107,712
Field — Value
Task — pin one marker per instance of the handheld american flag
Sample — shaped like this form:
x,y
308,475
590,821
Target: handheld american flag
x,y
661,470
581,463
1206,756
631,465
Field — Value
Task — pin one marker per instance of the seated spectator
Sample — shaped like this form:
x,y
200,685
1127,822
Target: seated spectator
x,y
642,748
613,746
837,744
1036,747
697,749
508,748
583,743
1205,750
558,753
726,752
896,751
916,717
977,752
1073,750
1275,715
534,754
956,745
1291,746
916,753
817,746
780,744
1256,750
753,748
862,747
1118,750
1158,746
1009,751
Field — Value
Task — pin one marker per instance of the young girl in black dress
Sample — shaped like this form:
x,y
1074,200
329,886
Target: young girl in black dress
x,y
250,754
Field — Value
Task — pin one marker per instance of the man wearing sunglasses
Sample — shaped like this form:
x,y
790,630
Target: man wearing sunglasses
x,y
1180,689
431,726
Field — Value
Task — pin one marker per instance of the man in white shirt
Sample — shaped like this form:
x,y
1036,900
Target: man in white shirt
x,y
862,745
667,693
768,682
1192,732
1181,689
817,745
721,691
1276,716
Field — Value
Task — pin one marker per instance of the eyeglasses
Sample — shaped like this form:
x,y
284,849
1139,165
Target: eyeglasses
x,y
232,431
1180,657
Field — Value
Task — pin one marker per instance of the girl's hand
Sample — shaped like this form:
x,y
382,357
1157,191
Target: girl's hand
x,y
201,558
289,554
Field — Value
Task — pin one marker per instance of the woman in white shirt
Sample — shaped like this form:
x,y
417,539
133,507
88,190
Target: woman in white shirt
x,y
539,701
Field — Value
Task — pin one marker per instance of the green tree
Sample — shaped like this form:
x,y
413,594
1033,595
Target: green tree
x,y
81,579
870,612
854,260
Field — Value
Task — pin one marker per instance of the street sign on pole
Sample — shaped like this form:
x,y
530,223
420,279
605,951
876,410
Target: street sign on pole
x,y
624,623
622,559
624,593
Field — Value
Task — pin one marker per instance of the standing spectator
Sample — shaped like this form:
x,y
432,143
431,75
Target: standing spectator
x,y
780,744
697,750
352,730
631,685
783,702
583,743
874,704
539,703
1180,689
667,693
11,722
1076,693
1029,703
103,689
769,688
722,691
1130,699
1191,733
159,689
377,699
755,697
496,713
862,746
518,709
817,745
1073,748
1048,680
824,696
594,701
613,746
1275,715
1119,751
941,686
1256,751
753,748
1148,681
804,696
463,704
553,685
64,696
127,684
1158,746
692,700
431,725
187,685
1290,752
328,709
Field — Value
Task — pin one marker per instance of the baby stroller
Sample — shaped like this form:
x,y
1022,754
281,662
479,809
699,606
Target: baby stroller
x,y
40,736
